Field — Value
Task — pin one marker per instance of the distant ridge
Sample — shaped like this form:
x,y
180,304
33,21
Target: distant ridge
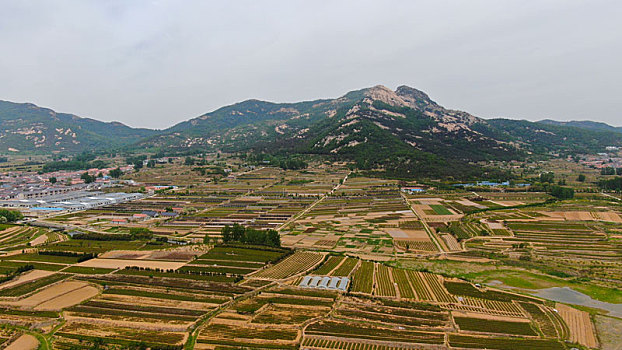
x,y
584,124
28,128
402,132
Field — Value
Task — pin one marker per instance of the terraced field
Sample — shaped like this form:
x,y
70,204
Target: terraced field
x,y
364,216
292,265
184,289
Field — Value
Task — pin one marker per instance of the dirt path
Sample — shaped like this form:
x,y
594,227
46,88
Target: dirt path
x,y
427,228
398,295
307,209
338,266
412,288
426,285
610,196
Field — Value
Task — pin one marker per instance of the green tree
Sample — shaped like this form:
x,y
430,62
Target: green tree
x,y
11,215
87,178
226,234
115,173
141,233
547,177
562,192
273,238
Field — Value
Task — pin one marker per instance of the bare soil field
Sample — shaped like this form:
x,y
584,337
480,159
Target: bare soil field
x,y
508,203
116,324
468,203
122,263
609,330
451,242
7,234
412,235
583,216
24,342
494,225
173,254
580,324
608,216
69,299
59,296
27,277
39,240
126,254
132,299
488,316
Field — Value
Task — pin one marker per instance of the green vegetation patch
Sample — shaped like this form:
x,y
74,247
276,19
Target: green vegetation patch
x,y
494,326
467,289
440,210
465,341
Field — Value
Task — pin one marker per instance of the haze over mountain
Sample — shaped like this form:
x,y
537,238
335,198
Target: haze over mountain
x,y
584,124
25,127
402,131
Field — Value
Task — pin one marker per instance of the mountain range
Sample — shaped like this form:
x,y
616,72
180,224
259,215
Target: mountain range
x,y
584,124
27,128
401,131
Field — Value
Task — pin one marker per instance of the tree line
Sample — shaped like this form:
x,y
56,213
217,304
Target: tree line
x,y
247,235
614,184
10,215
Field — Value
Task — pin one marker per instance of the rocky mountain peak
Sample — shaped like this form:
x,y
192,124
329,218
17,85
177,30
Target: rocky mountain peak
x,y
384,94
415,98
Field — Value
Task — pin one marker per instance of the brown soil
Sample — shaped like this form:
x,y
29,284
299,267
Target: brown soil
x,y
58,296
27,277
24,342
580,324
122,263
69,299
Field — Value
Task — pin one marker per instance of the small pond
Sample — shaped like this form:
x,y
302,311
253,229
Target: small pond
x,y
566,295
571,296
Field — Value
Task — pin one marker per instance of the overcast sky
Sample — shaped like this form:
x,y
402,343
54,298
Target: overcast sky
x,y
155,63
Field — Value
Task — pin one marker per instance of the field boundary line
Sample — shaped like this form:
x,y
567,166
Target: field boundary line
x,y
425,224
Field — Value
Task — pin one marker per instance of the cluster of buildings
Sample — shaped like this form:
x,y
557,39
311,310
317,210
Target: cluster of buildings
x,y
146,215
601,160
27,185
413,190
325,282
491,184
69,201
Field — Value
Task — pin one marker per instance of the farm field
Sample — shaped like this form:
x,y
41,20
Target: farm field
x,y
163,279
561,237
364,216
